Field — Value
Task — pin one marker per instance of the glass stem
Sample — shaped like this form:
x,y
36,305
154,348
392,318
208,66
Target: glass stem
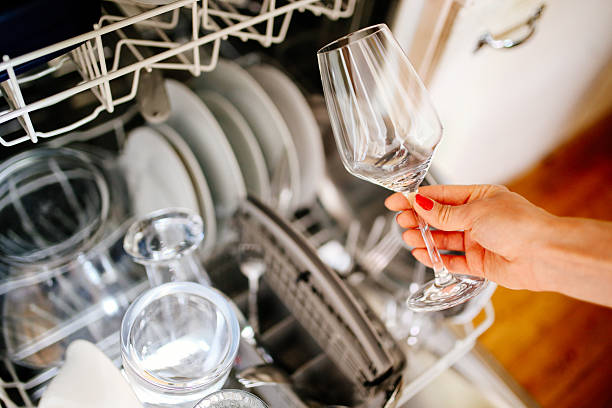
x,y
442,276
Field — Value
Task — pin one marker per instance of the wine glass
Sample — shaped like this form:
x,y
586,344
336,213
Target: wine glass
x,y
387,130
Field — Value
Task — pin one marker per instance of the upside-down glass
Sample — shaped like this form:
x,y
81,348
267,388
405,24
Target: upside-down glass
x,y
179,341
387,130
166,242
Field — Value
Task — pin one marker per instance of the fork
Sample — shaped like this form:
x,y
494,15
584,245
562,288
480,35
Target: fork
x,y
377,258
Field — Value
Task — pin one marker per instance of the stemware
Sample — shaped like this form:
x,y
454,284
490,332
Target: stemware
x,y
387,130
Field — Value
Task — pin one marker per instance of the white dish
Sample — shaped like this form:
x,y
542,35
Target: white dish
x,y
155,174
198,127
243,142
205,200
88,379
268,125
302,125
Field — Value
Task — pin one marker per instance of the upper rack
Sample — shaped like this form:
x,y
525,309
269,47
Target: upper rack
x,y
100,55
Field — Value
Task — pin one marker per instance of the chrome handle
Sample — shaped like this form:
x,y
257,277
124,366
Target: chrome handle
x,y
488,39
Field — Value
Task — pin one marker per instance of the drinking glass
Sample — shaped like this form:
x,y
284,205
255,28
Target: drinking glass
x,y
166,242
179,341
387,130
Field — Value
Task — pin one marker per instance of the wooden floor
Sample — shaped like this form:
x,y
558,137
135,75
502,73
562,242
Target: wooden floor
x,y
560,349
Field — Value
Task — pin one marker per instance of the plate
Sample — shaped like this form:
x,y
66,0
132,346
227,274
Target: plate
x,y
243,142
198,127
266,122
205,200
302,124
155,174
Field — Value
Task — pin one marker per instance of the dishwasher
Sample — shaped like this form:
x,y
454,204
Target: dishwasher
x,y
204,108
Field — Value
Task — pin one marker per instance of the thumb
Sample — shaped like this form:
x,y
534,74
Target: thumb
x,y
441,216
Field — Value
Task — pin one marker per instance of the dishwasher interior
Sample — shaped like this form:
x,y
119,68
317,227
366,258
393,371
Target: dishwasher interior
x,y
332,314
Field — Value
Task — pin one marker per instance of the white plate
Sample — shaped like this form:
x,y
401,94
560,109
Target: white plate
x,y
243,142
302,124
155,174
205,200
268,125
198,127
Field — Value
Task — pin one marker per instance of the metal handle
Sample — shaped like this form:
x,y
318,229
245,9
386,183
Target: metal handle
x,y
488,39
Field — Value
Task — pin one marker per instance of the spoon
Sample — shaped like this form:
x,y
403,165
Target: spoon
x,y
264,374
252,266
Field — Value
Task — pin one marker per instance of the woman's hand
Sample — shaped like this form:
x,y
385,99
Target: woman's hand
x,y
508,240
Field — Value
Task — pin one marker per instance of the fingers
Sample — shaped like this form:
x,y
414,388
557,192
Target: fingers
x,y
457,195
454,263
452,241
445,194
445,217
397,202
406,219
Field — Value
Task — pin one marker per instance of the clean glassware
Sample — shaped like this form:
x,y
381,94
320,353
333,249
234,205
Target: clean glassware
x,y
63,275
54,204
179,341
166,242
231,399
387,130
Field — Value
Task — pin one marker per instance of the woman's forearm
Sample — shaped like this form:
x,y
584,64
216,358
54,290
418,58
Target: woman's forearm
x,y
577,259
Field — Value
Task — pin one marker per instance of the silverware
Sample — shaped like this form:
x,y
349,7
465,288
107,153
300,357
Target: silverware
x,y
352,337
264,374
252,266
376,256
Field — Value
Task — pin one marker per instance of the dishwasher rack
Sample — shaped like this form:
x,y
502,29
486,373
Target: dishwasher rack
x,y
98,53
212,21
20,388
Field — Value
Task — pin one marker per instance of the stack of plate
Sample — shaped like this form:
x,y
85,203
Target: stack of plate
x,y
239,131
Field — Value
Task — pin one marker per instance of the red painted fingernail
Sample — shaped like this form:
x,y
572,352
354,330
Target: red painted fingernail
x,y
424,202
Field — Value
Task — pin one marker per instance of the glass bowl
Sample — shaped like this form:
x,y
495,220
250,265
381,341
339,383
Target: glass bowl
x,y
53,203
63,272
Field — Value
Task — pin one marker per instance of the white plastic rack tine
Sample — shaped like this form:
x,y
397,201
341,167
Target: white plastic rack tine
x,y
460,348
232,15
107,91
341,9
14,96
195,31
166,25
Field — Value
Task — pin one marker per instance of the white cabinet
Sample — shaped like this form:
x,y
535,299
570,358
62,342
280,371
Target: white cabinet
x,y
504,110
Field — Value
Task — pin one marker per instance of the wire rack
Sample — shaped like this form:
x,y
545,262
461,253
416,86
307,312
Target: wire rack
x,y
111,51
20,389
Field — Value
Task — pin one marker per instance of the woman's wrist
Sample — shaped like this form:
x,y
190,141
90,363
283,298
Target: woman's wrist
x,y
576,259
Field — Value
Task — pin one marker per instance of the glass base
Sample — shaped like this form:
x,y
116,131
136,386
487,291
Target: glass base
x,y
431,297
